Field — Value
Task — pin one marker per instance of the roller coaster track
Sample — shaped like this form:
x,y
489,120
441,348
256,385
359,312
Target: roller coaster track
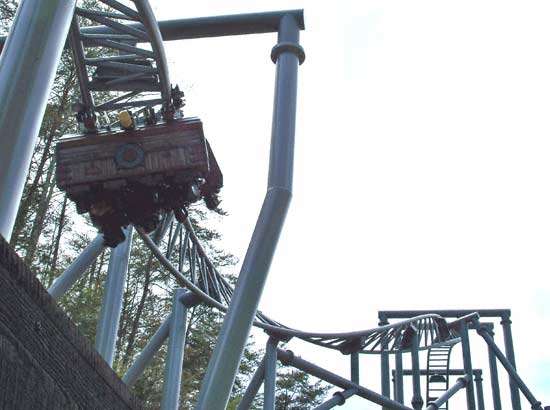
x,y
128,61
196,272
121,66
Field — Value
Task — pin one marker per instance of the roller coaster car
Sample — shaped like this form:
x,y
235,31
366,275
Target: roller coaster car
x,y
130,176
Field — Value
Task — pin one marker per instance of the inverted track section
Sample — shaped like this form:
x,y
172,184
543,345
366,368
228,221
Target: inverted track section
x,y
129,62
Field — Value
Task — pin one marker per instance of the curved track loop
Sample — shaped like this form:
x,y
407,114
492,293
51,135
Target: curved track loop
x,y
115,63
197,273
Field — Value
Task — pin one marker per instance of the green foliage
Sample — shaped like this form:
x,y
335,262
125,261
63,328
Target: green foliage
x,y
295,391
7,13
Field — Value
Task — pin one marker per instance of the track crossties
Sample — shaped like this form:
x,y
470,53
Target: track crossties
x,y
45,363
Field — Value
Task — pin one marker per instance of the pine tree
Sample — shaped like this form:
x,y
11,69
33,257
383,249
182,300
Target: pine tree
x,y
295,391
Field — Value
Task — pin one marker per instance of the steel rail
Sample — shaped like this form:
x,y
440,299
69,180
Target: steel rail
x,y
142,71
155,38
216,26
79,59
333,340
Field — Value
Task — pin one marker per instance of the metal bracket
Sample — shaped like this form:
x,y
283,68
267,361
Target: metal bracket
x,y
284,47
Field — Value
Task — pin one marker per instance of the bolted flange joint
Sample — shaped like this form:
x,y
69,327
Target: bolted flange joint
x,y
284,47
286,358
341,397
417,402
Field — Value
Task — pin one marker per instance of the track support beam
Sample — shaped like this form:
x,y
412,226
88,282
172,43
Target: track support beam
x,y
111,308
224,362
174,359
27,70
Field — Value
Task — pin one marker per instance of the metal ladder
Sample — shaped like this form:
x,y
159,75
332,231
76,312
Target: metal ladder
x,y
437,375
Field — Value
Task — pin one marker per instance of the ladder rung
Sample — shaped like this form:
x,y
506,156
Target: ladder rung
x,y
122,8
124,47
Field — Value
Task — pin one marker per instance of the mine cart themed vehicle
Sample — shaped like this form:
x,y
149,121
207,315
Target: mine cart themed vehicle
x,y
130,176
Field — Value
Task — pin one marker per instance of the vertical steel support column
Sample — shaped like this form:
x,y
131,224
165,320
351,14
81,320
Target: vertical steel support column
x,y
354,367
270,375
174,358
385,372
67,279
398,394
27,71
509,349
479,390
417,401
224,362
112,300
495,387
384,362
467,359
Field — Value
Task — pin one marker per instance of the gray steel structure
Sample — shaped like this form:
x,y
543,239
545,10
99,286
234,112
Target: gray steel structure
x,y
27,70
502,314
419,331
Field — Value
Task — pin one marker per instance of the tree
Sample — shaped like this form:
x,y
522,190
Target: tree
x,y
7,13
295,391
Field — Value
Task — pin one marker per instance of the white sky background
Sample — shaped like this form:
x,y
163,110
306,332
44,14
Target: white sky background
x,y
422,163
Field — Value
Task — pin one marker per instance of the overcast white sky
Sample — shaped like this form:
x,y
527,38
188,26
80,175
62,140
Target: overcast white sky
x,y
422,163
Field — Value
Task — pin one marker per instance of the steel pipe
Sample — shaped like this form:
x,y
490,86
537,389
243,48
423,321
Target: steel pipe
x,y
478,380
467,360
509,349
385,371
444,398
253,387
495,386
111,308
289,359
535,404
77,268
224,362
152,28
337,399
174,358
27,71
270,374
354,367
417,401
78,59
403,314
216,26
148,353
452,372
398,377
